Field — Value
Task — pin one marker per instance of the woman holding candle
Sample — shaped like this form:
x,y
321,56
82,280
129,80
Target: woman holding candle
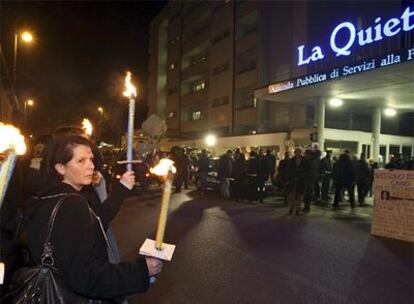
x,y
79,243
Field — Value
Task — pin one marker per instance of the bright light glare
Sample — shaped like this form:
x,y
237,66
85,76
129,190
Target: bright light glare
x,y
210,140
27,36
100,110
390,112
30,102
335,102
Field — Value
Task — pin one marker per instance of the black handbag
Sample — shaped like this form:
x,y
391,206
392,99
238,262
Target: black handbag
x,y
41,284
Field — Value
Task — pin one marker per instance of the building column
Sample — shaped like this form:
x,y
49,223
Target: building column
x,y
376,131
387,154
320,121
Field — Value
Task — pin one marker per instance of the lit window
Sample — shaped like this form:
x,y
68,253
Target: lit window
x,y
199,86
196,115
254,102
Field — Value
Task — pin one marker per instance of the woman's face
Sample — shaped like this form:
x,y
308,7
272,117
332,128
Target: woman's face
x,y
79,170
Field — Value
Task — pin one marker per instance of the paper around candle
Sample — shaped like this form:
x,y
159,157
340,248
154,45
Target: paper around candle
x,y
148,249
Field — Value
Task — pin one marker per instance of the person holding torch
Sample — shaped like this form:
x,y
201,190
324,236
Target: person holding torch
x,y
79,239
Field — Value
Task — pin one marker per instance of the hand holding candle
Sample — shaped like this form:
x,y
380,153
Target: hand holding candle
x,y
165,169
159,249
131,93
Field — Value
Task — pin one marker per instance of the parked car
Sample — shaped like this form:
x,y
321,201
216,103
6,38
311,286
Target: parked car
x,y
213,180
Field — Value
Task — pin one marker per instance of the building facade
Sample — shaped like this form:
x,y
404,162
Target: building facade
x,y
265,72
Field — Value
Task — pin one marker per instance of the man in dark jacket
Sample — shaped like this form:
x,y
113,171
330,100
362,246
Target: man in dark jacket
x,y
203,168
343,176
282,176
326,171
362,178
271,161
298,174
224,173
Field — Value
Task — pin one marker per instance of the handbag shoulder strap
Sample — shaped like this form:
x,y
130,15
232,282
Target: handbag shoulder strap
x,y
47,257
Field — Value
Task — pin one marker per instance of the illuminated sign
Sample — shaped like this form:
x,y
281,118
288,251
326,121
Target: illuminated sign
x,y
366,65
363,37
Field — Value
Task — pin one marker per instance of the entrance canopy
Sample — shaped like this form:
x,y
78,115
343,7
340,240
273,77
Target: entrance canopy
x,y
390,86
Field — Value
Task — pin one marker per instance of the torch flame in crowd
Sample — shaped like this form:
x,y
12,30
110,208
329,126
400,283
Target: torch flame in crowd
x,y
162,168
130,90
87,126
11,139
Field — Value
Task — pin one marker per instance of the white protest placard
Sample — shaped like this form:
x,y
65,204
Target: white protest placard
x,y
393,214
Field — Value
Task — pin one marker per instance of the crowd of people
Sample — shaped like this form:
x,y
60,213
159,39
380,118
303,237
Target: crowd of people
x,y
306,177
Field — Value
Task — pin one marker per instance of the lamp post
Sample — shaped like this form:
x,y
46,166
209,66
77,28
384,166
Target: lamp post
x,y
27,104
101,111
26,37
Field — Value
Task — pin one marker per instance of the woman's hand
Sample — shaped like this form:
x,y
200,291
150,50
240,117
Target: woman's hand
x,y
154,266
96,178
128,179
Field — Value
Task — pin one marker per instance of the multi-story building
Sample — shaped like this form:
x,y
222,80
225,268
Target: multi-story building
x,y
263,73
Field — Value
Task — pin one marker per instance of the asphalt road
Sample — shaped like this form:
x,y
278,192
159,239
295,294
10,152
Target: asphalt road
x,y
230,252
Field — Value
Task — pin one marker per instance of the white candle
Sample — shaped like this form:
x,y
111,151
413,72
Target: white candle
x,y
130,92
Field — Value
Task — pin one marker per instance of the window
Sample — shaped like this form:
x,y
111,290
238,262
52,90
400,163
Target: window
x,y
246,61
197,87
172,90
221,36
221,68
196,115
220,101
246,25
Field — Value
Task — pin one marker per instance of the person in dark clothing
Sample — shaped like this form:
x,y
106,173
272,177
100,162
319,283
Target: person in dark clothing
x,y
262,176
362,178
225,168
239,175
395,163
203,168
312,186
297,179
186,167
252,171
343,176
326,171
372,166
80,249
282,176
178,164
271,161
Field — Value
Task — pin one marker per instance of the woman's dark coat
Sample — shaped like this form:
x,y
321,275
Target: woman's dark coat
x,y
79,245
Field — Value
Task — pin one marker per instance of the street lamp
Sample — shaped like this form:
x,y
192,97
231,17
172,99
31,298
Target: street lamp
x,y
390,112
210,140
28,103
26,37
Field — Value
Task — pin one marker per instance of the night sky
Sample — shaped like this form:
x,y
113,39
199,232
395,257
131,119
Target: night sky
x,y
79,59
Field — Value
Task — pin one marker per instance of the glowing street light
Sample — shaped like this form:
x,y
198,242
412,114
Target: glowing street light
x,y
210,140
390,112
335,102
27,36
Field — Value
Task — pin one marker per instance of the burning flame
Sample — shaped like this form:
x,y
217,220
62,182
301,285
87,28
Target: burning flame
x,y
163,167
11,139
87,126
130,90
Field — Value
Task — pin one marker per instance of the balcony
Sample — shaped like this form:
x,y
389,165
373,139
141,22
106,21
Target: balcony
x,y
195,98
199,69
